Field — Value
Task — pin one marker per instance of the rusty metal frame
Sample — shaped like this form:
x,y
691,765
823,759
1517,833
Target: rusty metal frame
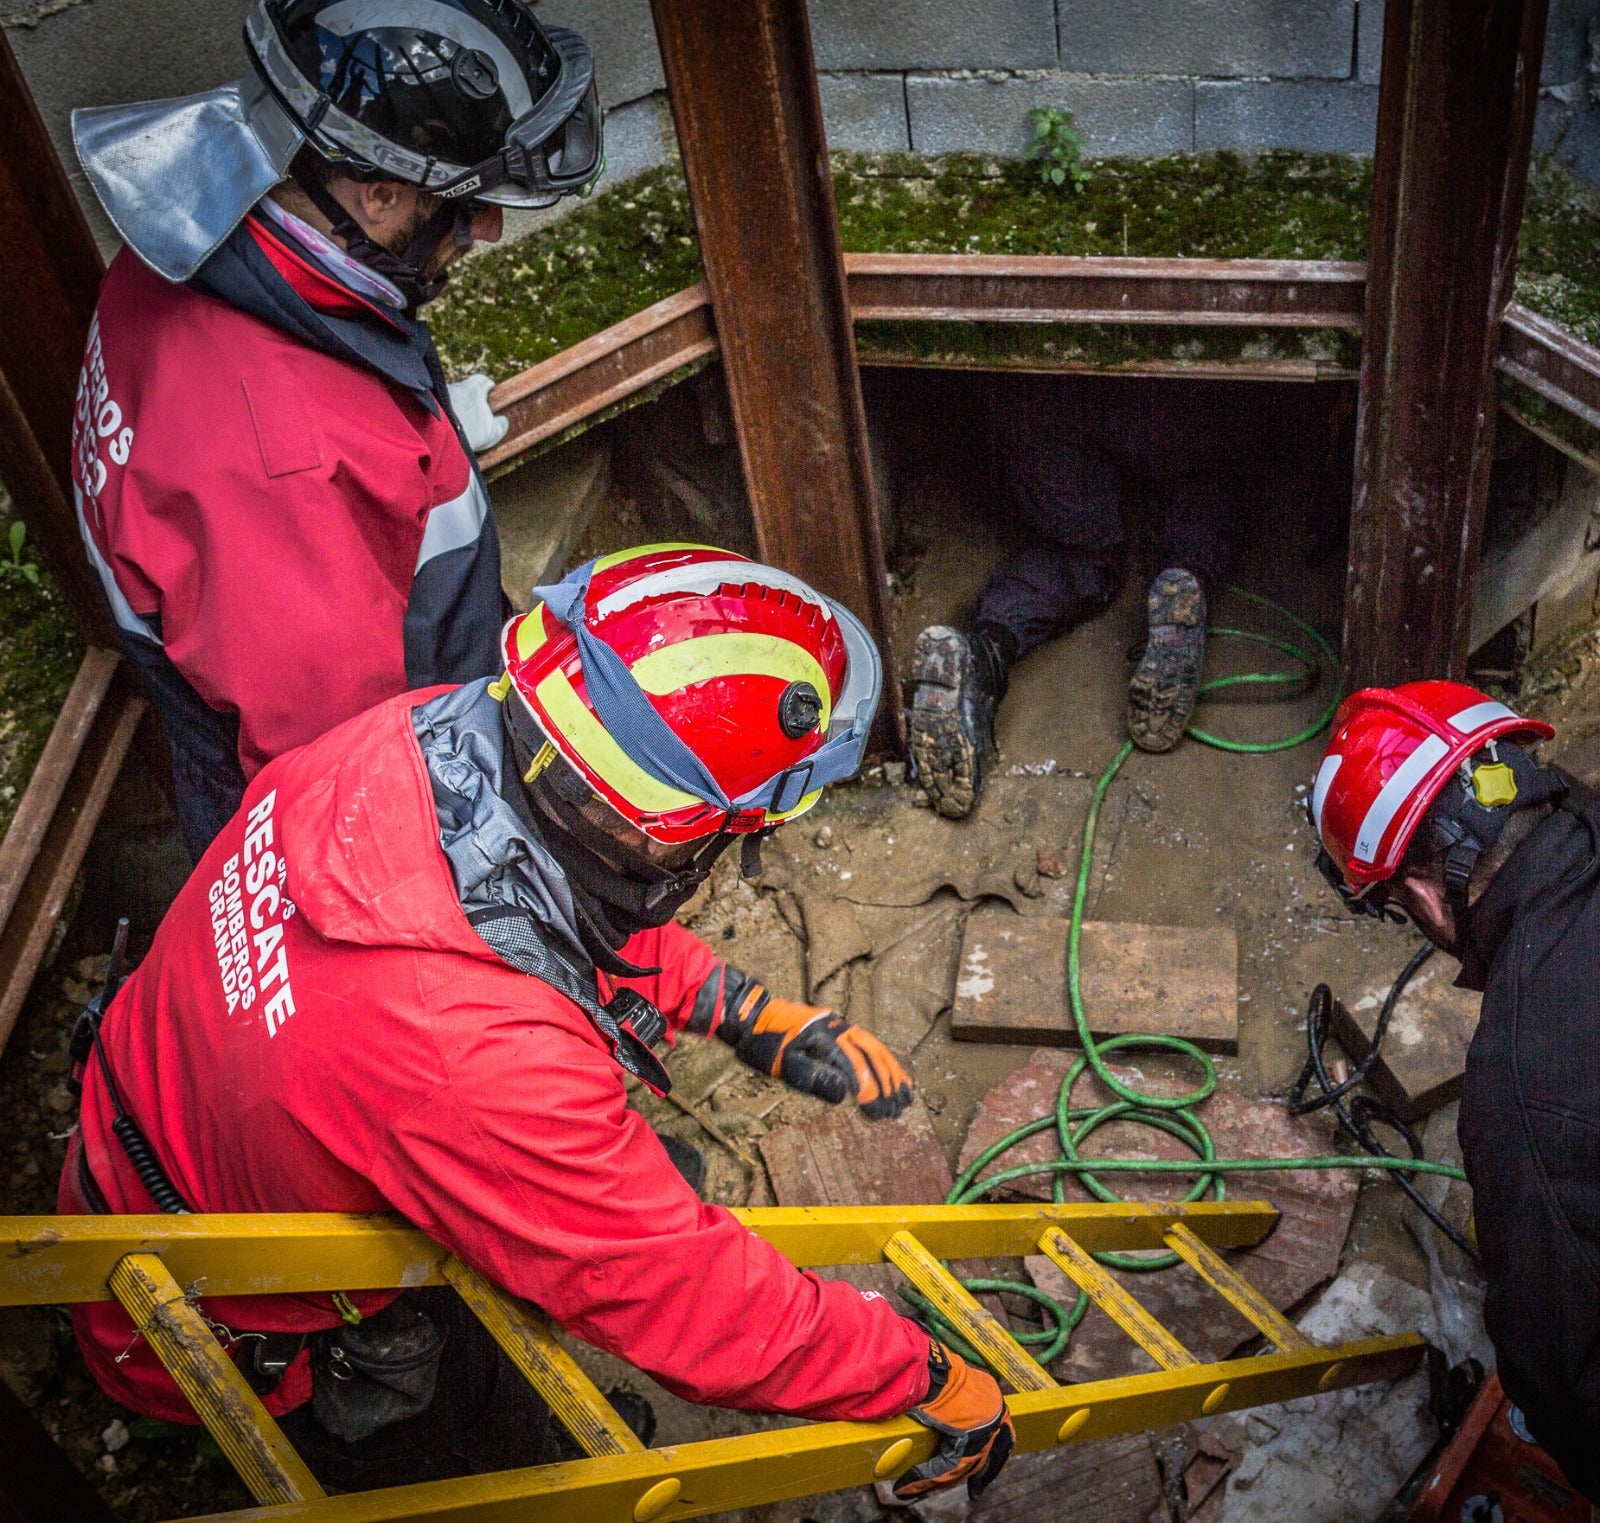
x,y
625,359
1551,362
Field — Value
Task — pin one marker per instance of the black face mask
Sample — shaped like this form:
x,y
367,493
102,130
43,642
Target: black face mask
x,y
403,271
617,895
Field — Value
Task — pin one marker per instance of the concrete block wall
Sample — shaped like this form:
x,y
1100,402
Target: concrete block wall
x,y
1143,77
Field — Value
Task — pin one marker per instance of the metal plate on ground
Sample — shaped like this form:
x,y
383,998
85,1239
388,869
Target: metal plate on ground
x,y
1012,981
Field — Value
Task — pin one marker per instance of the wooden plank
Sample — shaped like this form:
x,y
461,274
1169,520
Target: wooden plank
x,y
37,875
1286,1267
1423,1060
211,1382
542,509
1115,1480
1458,91
1012,982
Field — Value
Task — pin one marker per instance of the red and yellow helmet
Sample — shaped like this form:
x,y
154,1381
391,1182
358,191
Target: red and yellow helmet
x,y
1392,752
694,691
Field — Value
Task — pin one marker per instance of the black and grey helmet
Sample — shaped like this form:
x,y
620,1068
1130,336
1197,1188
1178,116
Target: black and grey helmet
x,y
463,98
472,100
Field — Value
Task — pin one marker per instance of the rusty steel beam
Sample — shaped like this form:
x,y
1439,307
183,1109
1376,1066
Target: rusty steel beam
x,y
1042,288
1458,90
599,372
743,88
50,273
56,817
624,359
1551,362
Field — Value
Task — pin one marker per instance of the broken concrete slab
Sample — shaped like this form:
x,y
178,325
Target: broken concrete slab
x,y
841,1159
1338,1458
1301,1254
883,848
1424,1055
1145,979
541,510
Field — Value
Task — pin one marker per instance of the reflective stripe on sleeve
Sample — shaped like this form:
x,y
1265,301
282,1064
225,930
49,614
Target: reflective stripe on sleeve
x,y
455,524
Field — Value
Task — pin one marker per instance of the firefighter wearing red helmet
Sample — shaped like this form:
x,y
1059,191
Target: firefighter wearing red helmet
x,y
414,972
1430,800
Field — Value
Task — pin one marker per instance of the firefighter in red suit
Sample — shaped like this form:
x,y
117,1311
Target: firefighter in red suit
x,y
266,455
413,973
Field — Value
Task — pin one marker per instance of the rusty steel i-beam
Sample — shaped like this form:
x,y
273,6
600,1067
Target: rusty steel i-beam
x,y
744,97
1458,90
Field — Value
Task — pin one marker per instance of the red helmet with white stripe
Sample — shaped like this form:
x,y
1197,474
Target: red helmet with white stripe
x,y
692,692
1393,750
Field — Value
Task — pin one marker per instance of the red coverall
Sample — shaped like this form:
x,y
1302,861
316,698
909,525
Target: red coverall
x,y
318,1028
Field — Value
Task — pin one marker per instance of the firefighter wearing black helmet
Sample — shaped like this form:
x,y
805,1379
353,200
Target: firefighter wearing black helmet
x,y
266,454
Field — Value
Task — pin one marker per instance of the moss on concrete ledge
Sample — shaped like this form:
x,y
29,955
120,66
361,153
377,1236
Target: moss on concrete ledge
x,y
1558,263
511,307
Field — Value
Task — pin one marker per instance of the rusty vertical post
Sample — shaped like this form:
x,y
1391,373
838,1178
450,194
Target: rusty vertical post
x,y
744,97
1458,89
50,275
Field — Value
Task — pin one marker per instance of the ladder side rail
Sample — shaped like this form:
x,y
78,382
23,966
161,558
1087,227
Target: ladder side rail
x,y
546,1366
1109,1295
1238,1292
974,1321
721,1475
211,1382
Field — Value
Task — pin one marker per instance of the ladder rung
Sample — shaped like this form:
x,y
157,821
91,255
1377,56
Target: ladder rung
x,y
1237,1291
548,1367
1114,1301
975,1322
211,1381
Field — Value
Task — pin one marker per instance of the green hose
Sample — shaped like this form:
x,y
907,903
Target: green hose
x,y
1173,1114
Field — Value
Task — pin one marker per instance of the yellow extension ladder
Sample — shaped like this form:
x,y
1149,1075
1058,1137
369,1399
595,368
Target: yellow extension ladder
x,y
156,1266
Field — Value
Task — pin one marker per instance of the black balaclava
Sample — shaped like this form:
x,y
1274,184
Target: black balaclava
x,y
617,894
1470,828
405,271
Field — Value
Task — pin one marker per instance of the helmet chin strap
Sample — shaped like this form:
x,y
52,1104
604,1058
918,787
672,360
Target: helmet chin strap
x,y
403,271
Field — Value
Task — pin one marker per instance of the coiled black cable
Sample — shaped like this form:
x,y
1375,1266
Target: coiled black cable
x,y
1362,1113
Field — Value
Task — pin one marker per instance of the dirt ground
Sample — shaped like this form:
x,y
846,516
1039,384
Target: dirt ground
x,y
1197,838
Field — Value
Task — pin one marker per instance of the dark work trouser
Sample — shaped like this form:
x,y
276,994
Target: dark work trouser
x,y
1068,450
484,1416
207,780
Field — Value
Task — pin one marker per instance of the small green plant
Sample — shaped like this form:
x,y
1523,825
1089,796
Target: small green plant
x,y
1058,148
16,564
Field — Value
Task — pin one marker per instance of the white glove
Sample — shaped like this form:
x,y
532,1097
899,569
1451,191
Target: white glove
x,y
469,400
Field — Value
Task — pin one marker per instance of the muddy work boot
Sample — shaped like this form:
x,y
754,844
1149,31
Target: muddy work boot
x,y
959,680
1166,682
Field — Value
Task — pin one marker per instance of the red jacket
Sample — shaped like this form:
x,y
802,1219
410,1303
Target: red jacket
x,y
376,1054
274,495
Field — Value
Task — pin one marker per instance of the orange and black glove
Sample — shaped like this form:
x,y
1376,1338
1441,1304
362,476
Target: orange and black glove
x,y
809,1049
965,1408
